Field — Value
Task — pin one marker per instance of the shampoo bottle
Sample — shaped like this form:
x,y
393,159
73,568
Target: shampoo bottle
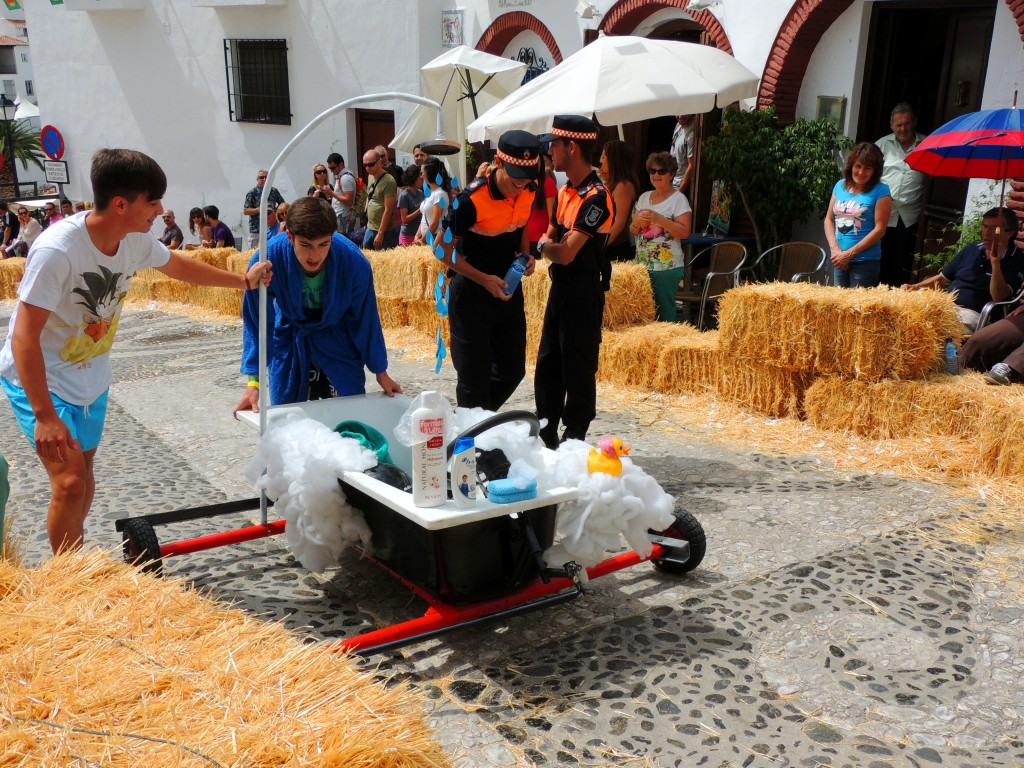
x,y
464,472
429,484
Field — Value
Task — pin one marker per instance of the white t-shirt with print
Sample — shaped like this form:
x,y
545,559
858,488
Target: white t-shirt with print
x,y
655,247
84,290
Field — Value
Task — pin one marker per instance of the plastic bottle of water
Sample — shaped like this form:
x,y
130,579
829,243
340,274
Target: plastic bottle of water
x,y
515,273
952,357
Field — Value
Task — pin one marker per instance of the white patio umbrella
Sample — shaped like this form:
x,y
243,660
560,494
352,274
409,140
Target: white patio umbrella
x,y
466,83
622,80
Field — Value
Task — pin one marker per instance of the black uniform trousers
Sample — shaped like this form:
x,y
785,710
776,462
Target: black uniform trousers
x,y
565,381
898,254
488,344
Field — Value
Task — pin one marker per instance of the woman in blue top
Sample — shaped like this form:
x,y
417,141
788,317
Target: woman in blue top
x,y
857,216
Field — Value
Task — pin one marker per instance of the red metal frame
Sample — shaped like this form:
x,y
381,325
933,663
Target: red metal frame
x,y
441,615
222,539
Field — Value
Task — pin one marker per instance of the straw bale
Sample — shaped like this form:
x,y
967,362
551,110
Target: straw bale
x,y
940,405
217,257
104,665
767,389
11,270
629,300
536,288
152,285
424,318
407,272
688,363
871,334
393,312
629,356
238,263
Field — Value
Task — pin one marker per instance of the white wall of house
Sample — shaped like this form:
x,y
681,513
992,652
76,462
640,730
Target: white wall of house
x,y
154,79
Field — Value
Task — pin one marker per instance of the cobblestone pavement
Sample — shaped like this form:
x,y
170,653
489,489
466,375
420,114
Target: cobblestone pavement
x,y
833,622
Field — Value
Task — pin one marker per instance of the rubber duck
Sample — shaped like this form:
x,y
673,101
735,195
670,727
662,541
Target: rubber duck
x,y
605,458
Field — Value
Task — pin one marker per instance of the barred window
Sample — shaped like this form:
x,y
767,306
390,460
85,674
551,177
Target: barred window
x,y
257,74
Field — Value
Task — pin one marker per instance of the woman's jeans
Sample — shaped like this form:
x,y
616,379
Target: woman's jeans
x,y
859,274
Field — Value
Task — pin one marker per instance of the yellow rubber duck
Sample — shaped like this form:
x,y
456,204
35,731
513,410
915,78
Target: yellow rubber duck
x,y
605,458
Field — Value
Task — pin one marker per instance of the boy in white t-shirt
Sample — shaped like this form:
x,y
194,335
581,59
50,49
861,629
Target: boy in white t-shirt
x,y
55,366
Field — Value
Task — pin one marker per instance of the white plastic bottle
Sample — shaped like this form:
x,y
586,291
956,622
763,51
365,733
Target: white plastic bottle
x,y
464,472
429,484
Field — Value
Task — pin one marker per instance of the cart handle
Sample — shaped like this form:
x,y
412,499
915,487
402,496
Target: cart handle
x,y
497,419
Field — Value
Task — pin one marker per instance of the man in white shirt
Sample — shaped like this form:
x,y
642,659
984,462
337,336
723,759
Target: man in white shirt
x,y
682,151
907,188
55,365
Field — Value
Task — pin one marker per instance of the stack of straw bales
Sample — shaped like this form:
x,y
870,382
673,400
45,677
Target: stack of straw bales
x,y
153,285
105,665
777,338
667,357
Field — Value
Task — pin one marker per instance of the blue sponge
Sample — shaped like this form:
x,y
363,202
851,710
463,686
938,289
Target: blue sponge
x,y
506,492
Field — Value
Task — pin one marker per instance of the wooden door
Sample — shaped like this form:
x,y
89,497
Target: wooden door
x,y
373,127
963,80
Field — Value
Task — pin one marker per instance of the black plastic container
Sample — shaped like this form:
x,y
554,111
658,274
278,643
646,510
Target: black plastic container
x,y
467,563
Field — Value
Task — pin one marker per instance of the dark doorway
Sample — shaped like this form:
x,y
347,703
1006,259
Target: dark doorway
x,y
933,55
374,127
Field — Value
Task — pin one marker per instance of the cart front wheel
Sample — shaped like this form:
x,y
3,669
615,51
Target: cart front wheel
x,y
688,528
141,546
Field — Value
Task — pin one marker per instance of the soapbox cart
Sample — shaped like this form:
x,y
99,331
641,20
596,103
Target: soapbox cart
x,y
469,564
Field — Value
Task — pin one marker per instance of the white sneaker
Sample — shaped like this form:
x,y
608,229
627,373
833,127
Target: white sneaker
x,y
1001,373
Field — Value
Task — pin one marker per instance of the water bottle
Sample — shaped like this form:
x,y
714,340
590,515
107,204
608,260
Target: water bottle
x,y
515,273
952,357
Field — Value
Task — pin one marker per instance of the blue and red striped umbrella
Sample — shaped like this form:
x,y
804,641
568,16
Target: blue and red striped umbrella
x,y
979,145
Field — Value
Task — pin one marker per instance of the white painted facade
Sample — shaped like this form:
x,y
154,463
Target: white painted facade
x,y
153,77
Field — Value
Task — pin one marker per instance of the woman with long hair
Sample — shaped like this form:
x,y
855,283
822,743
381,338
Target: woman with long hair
x,y
198,227
543,204
321,186
435,175
662,219
619,176
857,217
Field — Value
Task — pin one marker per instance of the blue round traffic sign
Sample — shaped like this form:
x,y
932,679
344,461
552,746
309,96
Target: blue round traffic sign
x,y
52,142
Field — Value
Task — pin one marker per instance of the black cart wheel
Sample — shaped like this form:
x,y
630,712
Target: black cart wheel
x,y
688,528
141,546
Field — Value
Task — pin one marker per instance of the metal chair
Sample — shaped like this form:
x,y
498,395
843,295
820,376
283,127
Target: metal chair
x,y
798,260
999,307
726,260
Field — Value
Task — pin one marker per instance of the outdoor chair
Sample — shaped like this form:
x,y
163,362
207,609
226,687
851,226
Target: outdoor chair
x,y
996,310
798,260
726,260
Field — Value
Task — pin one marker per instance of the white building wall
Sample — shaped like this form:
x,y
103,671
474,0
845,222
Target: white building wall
x,y
154,80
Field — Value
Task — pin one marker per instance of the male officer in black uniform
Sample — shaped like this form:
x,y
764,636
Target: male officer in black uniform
x,y
565,379
488,327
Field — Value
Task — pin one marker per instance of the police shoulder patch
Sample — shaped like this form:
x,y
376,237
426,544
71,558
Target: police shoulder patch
x,y
592,217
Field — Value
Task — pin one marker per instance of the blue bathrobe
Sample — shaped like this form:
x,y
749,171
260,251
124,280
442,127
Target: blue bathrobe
x,y
346,338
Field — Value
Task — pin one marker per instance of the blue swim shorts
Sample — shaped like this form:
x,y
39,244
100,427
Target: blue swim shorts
x,y
85,422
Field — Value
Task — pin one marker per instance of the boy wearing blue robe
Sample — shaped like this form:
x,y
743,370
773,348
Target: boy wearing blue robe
x,y
326,327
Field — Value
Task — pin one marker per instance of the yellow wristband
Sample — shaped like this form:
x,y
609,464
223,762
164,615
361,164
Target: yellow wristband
x,y
253,384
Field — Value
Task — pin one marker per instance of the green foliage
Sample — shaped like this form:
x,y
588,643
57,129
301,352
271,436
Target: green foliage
x,y
25,143
781,176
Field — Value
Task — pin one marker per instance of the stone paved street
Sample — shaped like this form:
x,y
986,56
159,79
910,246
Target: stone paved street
x,y
834,621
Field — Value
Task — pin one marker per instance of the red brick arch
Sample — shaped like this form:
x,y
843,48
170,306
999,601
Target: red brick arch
x,y
798,36
497,36
626,15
